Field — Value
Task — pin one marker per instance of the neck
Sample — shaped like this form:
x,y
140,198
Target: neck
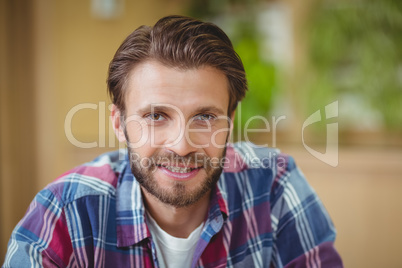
x,y
178,222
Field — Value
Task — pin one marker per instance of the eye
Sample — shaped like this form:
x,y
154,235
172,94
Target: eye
x,y
204,117
155,117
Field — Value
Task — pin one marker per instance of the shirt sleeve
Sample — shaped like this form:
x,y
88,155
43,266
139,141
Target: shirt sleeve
x,y
41,238
303,232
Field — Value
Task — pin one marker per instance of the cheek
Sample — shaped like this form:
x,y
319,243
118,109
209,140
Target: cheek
x,y
216,146
219,138
143,153
137,132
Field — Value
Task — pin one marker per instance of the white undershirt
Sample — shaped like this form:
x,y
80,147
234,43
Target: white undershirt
x,y
172,251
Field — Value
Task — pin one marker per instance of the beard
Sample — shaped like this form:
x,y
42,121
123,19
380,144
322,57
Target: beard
x,y
178,195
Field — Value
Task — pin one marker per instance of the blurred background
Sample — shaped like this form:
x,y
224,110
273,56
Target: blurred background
x,y
300,56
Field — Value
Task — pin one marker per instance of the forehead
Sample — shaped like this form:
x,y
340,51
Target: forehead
x,y
153,83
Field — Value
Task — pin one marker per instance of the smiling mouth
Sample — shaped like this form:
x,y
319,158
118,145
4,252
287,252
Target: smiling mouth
x,y
176,169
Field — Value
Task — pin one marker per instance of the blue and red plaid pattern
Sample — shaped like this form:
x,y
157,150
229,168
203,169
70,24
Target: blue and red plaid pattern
x,y
262,213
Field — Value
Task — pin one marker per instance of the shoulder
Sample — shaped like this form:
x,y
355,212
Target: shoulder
x,y
250,168
243,156
259,169
97,177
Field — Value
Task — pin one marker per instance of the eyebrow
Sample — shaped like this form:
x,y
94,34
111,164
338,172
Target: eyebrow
x,y
153,107
210,109
165,109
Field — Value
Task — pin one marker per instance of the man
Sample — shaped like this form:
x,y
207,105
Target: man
x,y
166,202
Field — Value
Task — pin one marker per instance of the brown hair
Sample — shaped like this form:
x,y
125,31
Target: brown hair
x,y
178,42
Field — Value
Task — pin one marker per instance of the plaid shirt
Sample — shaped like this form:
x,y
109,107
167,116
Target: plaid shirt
x,y
262,213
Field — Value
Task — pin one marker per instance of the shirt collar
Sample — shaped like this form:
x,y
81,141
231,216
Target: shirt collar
x,y
130,210
218,203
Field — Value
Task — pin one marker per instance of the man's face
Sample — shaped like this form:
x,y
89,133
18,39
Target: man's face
x,y
176,126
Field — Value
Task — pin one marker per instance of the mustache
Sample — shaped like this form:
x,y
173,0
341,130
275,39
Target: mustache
x,y
192,160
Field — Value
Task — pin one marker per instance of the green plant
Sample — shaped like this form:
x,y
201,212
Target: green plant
x,y
261,78
238,19
355,49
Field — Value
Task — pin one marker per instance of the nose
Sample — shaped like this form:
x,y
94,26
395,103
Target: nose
x,y
180,141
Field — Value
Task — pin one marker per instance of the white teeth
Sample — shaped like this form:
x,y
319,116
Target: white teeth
x,y
178,169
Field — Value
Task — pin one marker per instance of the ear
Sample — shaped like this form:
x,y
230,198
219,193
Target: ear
x,y
117,123
232,118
